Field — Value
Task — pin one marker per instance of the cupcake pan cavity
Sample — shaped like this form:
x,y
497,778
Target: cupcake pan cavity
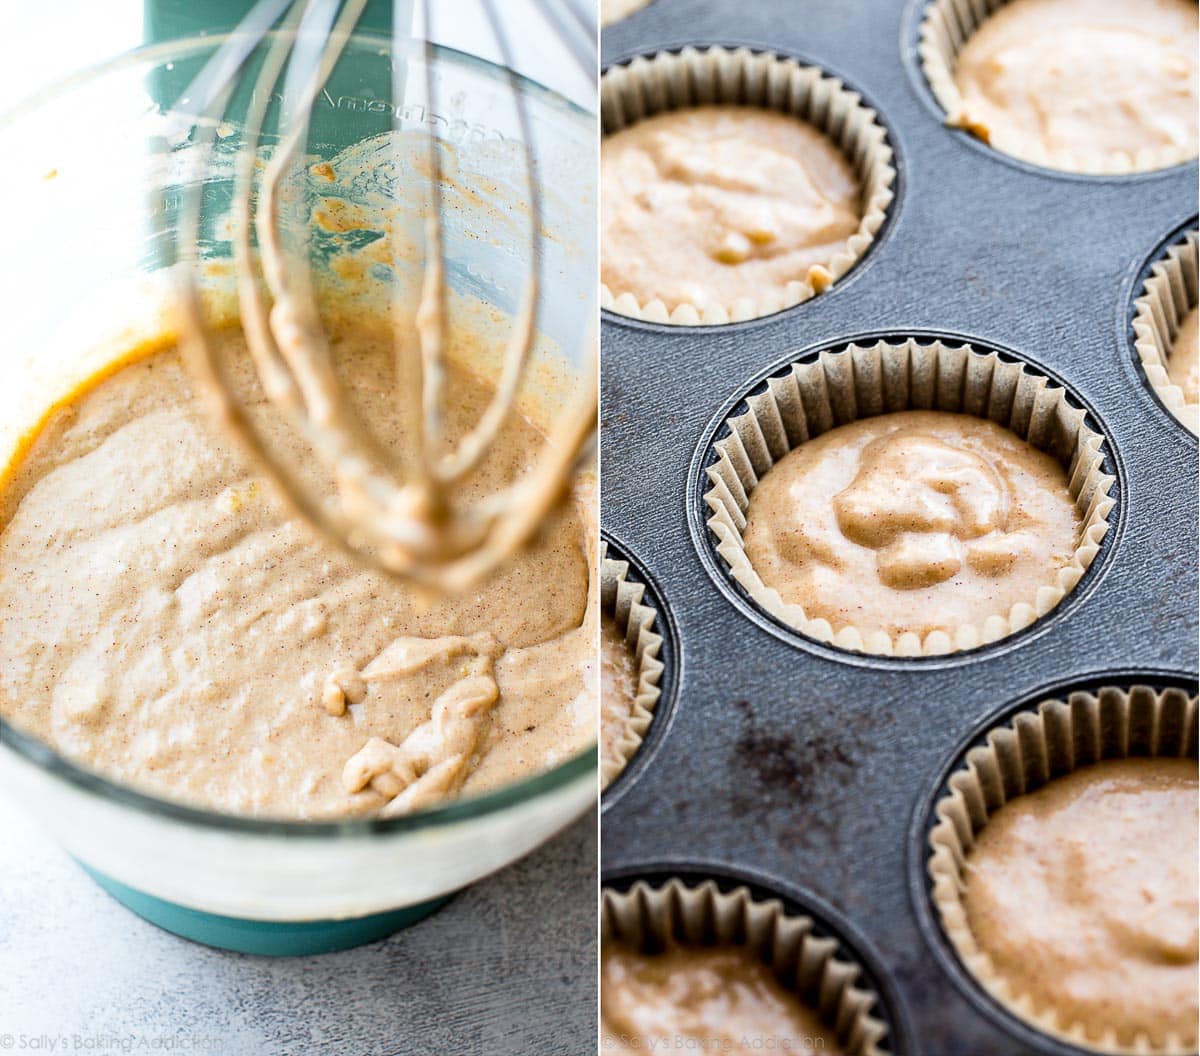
x,y
624,598
669,80
634,599
809,764
1164,297
1025,749
944,27
874,377
806,953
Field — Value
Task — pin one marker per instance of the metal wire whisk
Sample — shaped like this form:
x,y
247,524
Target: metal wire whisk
x,y
398,517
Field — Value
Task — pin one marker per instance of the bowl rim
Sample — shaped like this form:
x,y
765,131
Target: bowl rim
x,y
47,759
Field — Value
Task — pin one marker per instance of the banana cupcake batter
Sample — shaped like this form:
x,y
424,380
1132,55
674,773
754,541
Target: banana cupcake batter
x,y
720,999
716,204
1084,85
1082,895
914,521
165,621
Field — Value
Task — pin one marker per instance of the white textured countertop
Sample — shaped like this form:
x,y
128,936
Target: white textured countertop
x,y
506,969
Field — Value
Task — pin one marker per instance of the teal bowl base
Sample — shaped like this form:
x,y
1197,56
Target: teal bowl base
x,y
267,938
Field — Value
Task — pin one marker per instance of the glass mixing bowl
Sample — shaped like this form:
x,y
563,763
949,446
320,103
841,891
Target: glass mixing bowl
x,y
92,179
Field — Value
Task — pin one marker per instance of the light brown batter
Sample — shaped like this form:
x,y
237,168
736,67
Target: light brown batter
x,y
911,522
165,622
701,1000
614,10
1183,364
1057,81
718,203
1083,895
618,687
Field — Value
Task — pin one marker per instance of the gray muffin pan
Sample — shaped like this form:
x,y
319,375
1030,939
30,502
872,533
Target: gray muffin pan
x,y
804,770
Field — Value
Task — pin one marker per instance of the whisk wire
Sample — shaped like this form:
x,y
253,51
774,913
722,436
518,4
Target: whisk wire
x,y
409,526
519,347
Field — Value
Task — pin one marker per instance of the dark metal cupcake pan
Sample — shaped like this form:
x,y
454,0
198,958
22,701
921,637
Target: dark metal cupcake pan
x,y
804,768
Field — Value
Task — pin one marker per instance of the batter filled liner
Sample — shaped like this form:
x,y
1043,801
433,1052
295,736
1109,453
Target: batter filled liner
x,y
716,81
166,622
1091,86
716,204
681,918
626,717
840,387
1183,367
1130,924
1164,327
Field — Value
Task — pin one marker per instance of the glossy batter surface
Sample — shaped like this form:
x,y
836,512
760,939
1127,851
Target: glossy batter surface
x,y
1083,894
710,205
914,521
1183,364
166,622
701,1000
618,687
1052,81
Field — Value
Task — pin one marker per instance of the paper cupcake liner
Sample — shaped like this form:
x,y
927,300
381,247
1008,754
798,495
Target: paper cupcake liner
x,y
647,917
1168,295
716,75
945,28
623,598
1035,747
857,382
